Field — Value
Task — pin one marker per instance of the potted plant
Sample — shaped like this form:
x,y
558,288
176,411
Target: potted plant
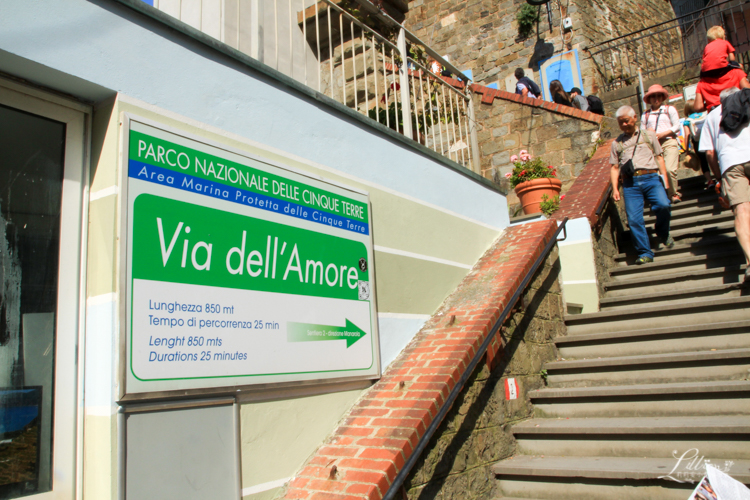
x,y
532,179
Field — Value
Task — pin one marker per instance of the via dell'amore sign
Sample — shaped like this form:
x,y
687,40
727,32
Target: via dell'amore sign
x,y
240,272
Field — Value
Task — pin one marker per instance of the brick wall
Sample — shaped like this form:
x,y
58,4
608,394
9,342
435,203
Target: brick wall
x,y
482,35
506,123
365,452
476,433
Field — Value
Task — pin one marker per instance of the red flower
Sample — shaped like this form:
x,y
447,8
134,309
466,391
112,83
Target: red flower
x,y
523,172
398,85
550,166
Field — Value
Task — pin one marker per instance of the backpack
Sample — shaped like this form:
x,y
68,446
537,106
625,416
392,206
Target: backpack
x,y
533,87
595,105
735,111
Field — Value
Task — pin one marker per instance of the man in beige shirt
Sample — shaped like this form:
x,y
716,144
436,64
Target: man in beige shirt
x,y
643,148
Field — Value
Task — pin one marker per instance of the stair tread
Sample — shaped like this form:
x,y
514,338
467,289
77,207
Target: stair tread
x,y
694,273
664,295
688,259
643,389
695,219
587,337
650,359
678,247
658,308
714,424
602,467
704,229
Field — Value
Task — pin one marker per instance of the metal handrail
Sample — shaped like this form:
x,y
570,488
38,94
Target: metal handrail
x,y
696,13
398,481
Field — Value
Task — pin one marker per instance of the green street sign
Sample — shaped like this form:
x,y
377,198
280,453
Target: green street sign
x,y
240,272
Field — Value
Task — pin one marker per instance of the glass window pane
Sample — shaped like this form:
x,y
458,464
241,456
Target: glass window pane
x,y
31,173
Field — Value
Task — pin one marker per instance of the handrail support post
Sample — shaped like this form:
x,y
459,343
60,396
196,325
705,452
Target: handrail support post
x,y
403,76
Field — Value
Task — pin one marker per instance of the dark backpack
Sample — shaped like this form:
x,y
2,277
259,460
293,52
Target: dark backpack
x,y
595,105
735,111
533,87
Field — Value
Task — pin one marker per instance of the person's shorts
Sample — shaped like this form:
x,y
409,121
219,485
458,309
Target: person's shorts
x,y
735,184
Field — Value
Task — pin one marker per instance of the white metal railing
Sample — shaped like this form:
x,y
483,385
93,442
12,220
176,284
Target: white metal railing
x,y
323,46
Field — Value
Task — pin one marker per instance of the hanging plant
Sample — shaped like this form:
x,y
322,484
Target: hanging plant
x,y
527,18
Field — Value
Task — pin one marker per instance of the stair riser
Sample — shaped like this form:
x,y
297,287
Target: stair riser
x,y
686,223
633,272
680,285
681,252
658,319
665,406
656,376
692,235
641,346
696,297
633,445
562,489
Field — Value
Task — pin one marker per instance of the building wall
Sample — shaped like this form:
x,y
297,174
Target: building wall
x,y
431,222
483,36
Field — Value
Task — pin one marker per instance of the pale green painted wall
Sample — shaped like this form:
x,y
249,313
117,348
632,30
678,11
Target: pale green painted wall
x,y
278,436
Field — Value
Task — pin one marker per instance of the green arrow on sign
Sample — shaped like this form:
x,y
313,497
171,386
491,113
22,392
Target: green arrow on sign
x,y
304,332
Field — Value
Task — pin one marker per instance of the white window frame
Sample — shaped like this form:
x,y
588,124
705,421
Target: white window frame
x,y
69,320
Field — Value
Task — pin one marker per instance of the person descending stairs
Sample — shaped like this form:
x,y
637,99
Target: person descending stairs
x,y
654,385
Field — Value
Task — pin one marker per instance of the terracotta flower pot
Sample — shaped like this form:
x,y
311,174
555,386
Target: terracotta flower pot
x,y
530,193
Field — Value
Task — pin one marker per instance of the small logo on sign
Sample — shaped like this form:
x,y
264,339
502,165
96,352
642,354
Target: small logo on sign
x,y
511,389
364,290
363,264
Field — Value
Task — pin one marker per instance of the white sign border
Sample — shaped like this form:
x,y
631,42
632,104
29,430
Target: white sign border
x,y
123,395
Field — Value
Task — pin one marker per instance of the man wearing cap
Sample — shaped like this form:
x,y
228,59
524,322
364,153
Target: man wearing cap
x,y
664,120
728,154
579,101
643,149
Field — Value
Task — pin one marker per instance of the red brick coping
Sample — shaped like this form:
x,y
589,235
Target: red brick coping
x,y
589,189
489,95
371,444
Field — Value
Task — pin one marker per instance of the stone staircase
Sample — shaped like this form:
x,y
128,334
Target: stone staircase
x,y
653,385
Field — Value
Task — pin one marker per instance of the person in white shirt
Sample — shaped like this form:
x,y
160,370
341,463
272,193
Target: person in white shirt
x,y
665,121
729,159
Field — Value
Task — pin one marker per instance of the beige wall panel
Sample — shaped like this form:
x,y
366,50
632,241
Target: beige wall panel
x,y
413,286
278,436
101,267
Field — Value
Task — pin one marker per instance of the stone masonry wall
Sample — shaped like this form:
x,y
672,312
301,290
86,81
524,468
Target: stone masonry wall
x,y
482,35
476,433
562,136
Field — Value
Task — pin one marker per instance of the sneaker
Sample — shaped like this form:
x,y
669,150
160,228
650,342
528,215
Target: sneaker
x,y
667,242
643,260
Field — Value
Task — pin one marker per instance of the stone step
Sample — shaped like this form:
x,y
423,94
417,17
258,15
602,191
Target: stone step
x,y
678,278
695,222
613,478
702,247
659,316
673,339
690,366
717,438
702,231
703,213
688,262
644,400
669,296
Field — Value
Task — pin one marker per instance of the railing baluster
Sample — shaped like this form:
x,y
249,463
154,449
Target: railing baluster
x,y
460,132
291,41
317,42
403,77
354,68
385,90
395,90
304,38
375,74
440,121
424,111
364,65
330,49
343,68
276,32
410,81
432,117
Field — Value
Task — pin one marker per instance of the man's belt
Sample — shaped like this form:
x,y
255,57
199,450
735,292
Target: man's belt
x,y
644,171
